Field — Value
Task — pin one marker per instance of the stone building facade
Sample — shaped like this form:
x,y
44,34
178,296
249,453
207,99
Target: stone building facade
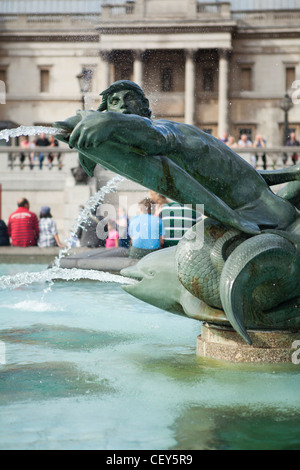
x,y
208,64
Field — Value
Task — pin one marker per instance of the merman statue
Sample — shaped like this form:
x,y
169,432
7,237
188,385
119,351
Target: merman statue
x,y
251,247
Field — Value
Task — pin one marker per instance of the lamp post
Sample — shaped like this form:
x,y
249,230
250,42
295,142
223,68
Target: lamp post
x,y
286,104
84,78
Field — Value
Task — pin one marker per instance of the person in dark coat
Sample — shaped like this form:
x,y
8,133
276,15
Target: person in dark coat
x,y
4,238
87,233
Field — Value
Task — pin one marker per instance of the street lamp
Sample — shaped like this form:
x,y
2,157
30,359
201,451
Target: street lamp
x,y
84,78
286,104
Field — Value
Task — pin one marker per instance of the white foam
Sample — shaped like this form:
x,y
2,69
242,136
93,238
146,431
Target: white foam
x,y
55,273
6,134
33,306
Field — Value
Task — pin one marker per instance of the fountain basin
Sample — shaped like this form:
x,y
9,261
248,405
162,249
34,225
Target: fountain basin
x,y
90,367
223,343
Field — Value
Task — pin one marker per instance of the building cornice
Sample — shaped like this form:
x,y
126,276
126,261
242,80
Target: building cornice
x,y
49,37
165,28
269,33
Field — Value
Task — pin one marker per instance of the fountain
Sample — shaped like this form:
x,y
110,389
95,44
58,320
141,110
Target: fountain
x,y
84,365
247,273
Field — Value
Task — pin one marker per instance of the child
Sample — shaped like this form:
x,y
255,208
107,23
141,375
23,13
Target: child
x,y
112,240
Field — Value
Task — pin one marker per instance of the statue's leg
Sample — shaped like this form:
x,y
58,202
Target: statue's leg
x,y
270,211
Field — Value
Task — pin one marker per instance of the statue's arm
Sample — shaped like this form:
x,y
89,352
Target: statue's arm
x,y
95,128
284,175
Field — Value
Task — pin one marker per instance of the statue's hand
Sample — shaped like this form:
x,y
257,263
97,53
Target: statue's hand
x,y
92,130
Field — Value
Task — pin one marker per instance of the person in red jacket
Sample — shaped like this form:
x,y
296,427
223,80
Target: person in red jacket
x,y
23,226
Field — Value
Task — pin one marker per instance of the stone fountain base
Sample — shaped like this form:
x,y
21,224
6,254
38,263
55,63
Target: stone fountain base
x,y
223,343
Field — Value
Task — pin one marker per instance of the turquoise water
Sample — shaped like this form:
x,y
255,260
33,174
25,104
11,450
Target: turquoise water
x,y
87,366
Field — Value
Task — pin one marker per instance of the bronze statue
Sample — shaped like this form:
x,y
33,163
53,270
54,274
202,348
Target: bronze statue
x,y
191,167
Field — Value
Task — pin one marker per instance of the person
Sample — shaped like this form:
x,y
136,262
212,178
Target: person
x,y
293,142
23,225
87,231
26,144
178,160
231,142
123,227
42,141
177,219
159,201
4,238
48,230
54,143
225,138
260,142
245,142
112,240
146,231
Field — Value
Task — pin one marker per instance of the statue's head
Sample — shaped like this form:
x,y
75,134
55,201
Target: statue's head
x,y
125,96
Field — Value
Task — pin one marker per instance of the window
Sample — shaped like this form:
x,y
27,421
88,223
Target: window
x,y
208,79
290,76
44,80
246,79
167,79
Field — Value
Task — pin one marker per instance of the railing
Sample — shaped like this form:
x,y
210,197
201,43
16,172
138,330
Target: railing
x,y
213,9
267,18
115,8
112,9
270,158
18,158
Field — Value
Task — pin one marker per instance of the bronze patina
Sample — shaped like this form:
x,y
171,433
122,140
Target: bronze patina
x,y
249,265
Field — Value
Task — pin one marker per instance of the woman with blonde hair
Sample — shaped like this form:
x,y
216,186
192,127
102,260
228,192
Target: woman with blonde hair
x,y
158,200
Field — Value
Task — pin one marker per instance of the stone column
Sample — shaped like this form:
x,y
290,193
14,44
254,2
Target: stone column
x,y
223,93
138,67
105,70
190,99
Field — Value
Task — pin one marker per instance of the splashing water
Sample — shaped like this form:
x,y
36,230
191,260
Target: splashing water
x,y
91,204
6,134
58,273
55,273
89,207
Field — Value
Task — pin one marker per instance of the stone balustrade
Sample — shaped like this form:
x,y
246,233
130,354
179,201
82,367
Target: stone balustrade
x,y
275,157
11,158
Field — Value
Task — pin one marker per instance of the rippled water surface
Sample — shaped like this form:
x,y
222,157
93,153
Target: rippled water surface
x,y
83,365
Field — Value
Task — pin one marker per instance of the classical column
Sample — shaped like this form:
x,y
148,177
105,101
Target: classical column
x,y
223,93
189,112
105,70
138,67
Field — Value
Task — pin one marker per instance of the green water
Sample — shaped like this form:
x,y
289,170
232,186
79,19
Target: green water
x,y
87,366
